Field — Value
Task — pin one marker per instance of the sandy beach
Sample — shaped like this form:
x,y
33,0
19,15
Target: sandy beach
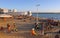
x,y
24,29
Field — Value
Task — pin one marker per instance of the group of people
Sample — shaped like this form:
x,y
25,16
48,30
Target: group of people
x,y
9,28
37,27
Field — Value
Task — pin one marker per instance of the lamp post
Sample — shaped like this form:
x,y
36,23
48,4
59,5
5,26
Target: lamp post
x,y
37,11
42,27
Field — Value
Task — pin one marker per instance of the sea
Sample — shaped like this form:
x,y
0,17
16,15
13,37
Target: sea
x,y
55,16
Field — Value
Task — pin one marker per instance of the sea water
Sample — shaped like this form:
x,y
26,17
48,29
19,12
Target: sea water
x,y
48,15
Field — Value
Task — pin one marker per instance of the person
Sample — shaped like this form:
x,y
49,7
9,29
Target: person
x,y
33,32
14,27
8,25
8,28
56,36
42,28
1,28
36,26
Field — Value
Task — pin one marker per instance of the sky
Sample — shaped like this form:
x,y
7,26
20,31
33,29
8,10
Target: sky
x,y
30,5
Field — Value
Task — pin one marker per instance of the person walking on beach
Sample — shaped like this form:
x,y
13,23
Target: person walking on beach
x,y
14,27
36,26
8,28
33,32
41,31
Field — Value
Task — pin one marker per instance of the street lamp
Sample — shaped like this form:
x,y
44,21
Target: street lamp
x,y
37,11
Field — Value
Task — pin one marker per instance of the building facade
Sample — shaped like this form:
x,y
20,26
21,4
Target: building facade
x,y
14,10
3,10
29,13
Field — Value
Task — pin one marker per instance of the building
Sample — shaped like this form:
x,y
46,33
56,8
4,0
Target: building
x,y
5,17
3,10
29,13
14,10
9,10
25,13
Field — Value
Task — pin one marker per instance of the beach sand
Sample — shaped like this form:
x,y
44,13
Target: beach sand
x,y
24,29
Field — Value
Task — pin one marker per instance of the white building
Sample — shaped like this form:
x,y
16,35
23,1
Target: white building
x,y
4,10
9,10
25,13
5,15
29,13
14,10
